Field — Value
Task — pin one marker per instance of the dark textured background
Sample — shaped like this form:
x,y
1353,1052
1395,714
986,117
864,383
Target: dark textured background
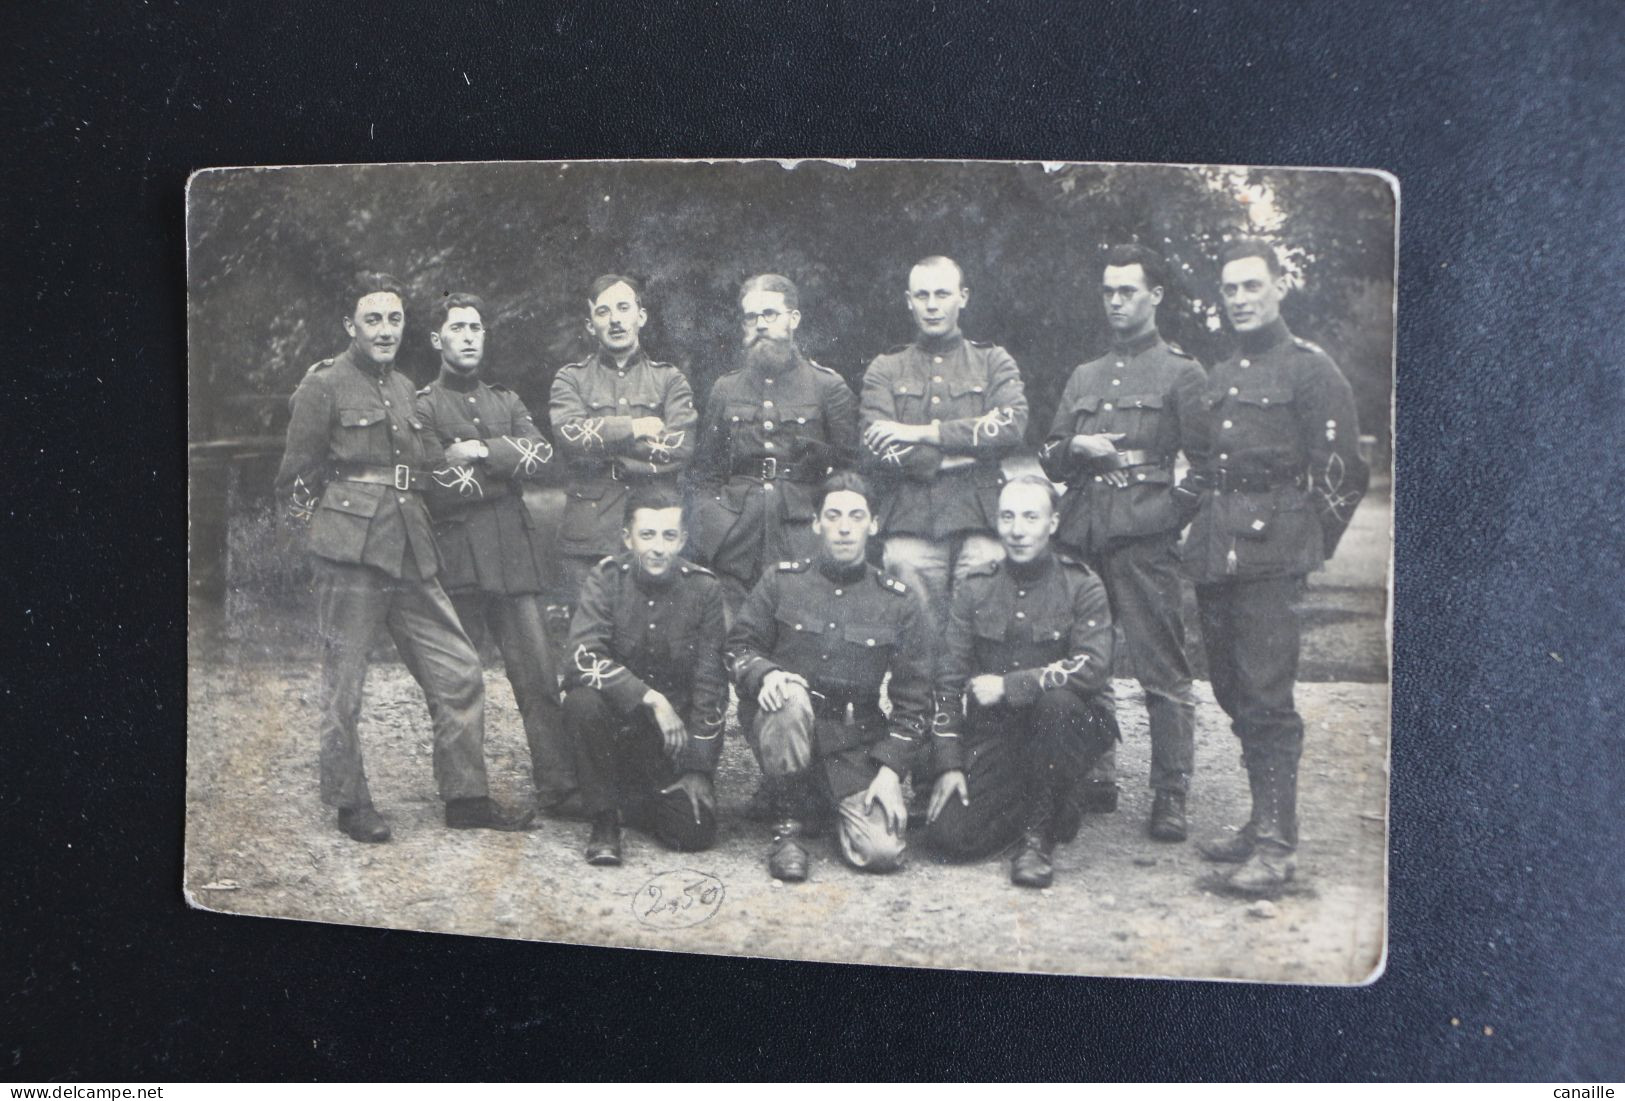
x,y
1503,122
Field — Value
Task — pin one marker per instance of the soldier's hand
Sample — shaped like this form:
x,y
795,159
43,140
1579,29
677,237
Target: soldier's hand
x,y
881,433
886,789
948,785
648,428
697,786
1116,478
672,731
775,689
464,452
1097,446
987,689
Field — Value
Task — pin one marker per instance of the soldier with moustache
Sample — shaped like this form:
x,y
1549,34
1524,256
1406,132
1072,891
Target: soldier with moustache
x,y
938,415
809,650
1023,691
492,547
357,467
621,420
1277,484
649,689
1121,423
772,431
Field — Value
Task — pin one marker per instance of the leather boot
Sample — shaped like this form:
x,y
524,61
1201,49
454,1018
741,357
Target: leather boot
x,y
1099,788
1237,847
604,846
1032,866
1168,816
787,859
364,824
1273,862
485,813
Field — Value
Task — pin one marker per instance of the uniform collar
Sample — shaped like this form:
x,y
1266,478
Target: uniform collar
x,y
1262,340
604,359
654,584
461,383
940,345
366,366
1026,573
839,573
1138,344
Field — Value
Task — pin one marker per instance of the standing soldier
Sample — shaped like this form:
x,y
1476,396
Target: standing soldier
x,y
493,562
622,419
772,431
646,650
1278,482
357,465
937,416
1024,697
1122,420
810,648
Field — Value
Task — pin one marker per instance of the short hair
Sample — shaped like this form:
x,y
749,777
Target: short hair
x,y
773,284
942,262
458,300
372,282
650,496
604,282
1041,482
1122,256
1243,247
845,481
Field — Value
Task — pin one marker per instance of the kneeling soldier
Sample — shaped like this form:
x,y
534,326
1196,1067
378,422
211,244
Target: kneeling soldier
x,y
810,648
646,649
1030,645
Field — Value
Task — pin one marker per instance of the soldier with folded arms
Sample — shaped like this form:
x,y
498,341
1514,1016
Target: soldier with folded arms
x,y
358,464
1024,698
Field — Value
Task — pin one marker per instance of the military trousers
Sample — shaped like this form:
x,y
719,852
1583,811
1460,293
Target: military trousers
x,y
1023,768
786,745
518,622
352,600
622,765
1251,633
934,566
1143,584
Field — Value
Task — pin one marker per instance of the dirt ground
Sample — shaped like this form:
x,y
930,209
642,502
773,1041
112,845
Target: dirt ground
x,y
260,842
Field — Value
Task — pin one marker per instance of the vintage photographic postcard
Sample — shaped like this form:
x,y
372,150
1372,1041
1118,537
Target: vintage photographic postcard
x,y
943,564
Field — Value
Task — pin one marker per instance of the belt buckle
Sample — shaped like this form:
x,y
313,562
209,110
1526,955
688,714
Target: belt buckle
x,y
770,468
403,477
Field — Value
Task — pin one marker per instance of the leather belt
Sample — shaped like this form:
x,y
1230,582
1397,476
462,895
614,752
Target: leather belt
x,y
1252,483
400,476
1122,460
771,469
854,707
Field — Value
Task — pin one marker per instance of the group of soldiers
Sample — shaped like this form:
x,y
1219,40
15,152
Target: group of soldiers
x,y
738,546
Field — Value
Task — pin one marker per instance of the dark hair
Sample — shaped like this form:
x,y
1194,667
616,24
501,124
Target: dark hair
x,y
448,302
1243,247
942,262
655,497
1041,482
1122,256
845,481
604,282
372,282
774,284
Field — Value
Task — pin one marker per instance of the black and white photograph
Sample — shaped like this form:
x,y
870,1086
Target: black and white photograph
x,y
951,564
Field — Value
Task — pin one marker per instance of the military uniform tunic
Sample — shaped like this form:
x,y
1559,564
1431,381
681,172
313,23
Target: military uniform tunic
x,y
1151,393
357,466
975,394
766,442
593,406
1045,627
494,554
1279,482
632,633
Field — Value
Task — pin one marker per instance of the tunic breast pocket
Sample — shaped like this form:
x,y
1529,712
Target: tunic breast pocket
x,y
1260,417
960,398
363,435
870,648
908,398
340,528
1134,415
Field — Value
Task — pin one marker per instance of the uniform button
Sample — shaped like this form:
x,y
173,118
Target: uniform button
x,y
1117,382
1107,406
736,419
1139,477
620,374
651,604
936,400
936,378
402,500
1021,592
1097,477
651,626
767,402
471,401
346,504
837,592
622,401
1265,401
832,626
768,445
1223,458
936,359
767,426
392,426
1331,424
868,642
1228,424
397,451
1246,363
1119,363
823,657
798,626
1021,615
768,381
1233,393
476,420
1091,623
386,402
